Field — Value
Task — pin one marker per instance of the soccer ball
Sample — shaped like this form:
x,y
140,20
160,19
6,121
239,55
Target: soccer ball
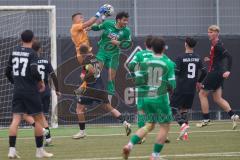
x,y
110,9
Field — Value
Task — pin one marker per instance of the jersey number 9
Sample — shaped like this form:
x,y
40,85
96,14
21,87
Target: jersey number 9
x,y
191,70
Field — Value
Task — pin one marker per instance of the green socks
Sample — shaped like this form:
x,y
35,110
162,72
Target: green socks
x,y
135,139
157,148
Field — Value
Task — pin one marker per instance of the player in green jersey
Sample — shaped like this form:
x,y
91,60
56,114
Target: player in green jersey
x,y
158,78
134,69
114,36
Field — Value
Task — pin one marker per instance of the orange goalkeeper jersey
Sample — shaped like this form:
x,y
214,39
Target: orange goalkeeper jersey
x,y
79,35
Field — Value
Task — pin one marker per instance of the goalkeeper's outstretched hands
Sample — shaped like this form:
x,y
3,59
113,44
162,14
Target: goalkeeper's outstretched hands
x,y
101,11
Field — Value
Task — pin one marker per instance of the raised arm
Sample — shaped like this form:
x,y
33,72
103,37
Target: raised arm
x,y
98,27
92,20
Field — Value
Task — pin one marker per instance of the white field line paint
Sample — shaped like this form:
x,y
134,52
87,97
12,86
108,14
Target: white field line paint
x,y
218,154
111,135
192,123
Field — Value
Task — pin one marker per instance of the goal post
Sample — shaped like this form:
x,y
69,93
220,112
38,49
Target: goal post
x,y
13,20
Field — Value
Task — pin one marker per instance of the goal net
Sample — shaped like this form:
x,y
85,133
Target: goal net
x,y
13,20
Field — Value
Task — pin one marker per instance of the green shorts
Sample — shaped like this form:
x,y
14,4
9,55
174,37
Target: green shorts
x,y
110,60
139,97
157,110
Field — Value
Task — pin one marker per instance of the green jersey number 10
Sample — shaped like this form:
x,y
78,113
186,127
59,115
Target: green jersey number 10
x,y
154,76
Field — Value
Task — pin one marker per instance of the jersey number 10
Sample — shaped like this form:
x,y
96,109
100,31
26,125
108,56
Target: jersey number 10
x,y
154,75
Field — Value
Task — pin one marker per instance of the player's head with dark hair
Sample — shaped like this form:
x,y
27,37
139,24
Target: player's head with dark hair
x,y
77,17
190,42
148,41
121,15
122,19
158,45
27,36
36,46
84,49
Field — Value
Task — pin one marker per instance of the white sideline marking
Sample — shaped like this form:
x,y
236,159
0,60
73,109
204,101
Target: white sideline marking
x,y
218,154
111,135
220,122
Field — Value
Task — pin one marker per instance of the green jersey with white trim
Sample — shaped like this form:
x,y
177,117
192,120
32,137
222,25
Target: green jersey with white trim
x,y
111,32
154,75
134,66
158,74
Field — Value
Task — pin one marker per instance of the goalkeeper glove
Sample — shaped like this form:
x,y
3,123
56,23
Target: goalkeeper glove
x,y
101,11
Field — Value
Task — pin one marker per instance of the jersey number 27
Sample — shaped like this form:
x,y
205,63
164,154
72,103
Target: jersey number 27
x,y
16,61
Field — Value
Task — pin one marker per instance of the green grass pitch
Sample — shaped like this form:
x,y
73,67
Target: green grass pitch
x,y
215,142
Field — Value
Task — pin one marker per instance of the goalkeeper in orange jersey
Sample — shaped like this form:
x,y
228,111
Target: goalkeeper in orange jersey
x,y
78,30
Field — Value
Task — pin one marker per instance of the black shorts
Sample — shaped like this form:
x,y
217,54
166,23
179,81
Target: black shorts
x,y
45,103
95,93
29,103
213,81
182,100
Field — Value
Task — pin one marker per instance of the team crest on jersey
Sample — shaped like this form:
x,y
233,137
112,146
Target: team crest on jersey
x,y
120,32
113,36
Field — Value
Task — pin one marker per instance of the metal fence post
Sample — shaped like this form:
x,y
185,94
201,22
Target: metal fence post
x,y
135,18
217,13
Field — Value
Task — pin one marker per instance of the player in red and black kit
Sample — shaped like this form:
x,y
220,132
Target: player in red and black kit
x,y
22,72
220,63
187,67
92,90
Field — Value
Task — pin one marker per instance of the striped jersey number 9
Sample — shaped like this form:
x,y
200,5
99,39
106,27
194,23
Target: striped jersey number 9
x,y
154,75
191,70
97,70
16,61
41,69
